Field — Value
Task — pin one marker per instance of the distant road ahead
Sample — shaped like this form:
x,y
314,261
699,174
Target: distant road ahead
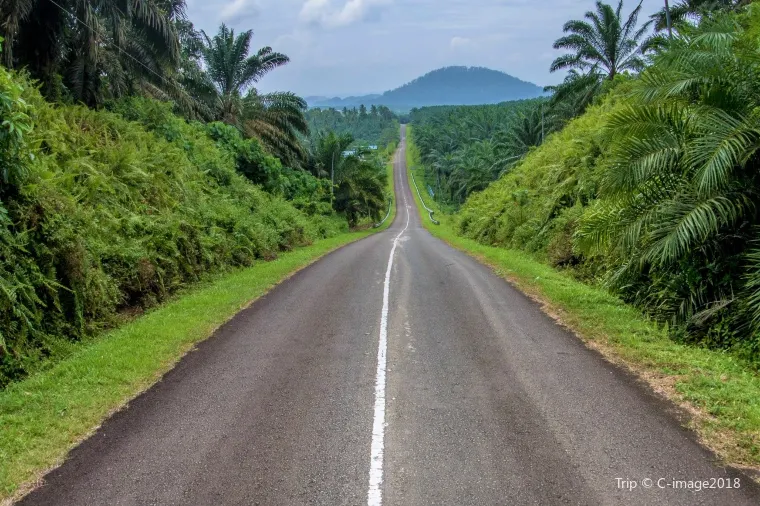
x,y
431,381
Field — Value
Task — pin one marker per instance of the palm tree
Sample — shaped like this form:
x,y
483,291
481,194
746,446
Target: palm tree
x,y
605,43
529,131
444,163
602,47
92,50
684,10
358,184
230,72
678,207
477,165
278,119
574,95
360,190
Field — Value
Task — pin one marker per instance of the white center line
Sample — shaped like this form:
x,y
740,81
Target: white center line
x,y
375,494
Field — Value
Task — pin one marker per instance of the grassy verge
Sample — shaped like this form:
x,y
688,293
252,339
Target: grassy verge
x,y
390,185
720,393
45,415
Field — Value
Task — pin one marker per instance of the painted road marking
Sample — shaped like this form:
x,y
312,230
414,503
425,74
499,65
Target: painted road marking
x,y
375,494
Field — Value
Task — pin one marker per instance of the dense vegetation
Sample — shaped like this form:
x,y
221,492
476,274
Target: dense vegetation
x,y
376,126
466,148
446,86
653,190
138,156
100,214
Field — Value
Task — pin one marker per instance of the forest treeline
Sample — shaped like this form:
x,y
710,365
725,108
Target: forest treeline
x,y
136,155
373,126
640,172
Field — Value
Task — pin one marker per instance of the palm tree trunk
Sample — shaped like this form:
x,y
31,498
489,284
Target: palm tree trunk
x,y
667,19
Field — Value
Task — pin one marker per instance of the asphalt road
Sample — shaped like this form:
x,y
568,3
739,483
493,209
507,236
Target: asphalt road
x,y
465,394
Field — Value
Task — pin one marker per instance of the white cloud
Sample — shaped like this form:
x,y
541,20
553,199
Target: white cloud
x,y
414,37
325,13
238,10
460,42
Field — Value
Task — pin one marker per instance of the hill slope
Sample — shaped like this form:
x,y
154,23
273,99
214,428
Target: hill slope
x,y
446,86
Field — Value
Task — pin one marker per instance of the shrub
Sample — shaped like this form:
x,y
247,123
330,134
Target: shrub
x,y
110,210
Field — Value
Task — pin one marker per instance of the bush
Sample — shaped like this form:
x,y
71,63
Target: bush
x,y
102,214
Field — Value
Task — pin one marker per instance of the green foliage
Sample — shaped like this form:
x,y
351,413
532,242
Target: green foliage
x,y
536,206
15,125
113,48
359,178
112,214
297,186
464,148
378,127
683,11
678,215
654,190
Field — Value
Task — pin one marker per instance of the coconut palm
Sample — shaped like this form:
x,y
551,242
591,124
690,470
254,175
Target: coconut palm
x,y
92,50
606,43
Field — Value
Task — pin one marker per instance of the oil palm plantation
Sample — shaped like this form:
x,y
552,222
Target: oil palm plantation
x,y
93,50
229,73
679,204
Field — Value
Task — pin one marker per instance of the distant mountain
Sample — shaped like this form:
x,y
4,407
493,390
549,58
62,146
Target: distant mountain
x,y
446,86
338,102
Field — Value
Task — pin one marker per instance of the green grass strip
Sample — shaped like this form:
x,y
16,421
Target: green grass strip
x,y
390,185
719,390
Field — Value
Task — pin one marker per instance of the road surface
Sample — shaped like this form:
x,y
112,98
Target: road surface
x,y
429,381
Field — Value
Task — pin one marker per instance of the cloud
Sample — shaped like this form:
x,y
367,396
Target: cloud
x,y
325,13
238,10
337,47
460,42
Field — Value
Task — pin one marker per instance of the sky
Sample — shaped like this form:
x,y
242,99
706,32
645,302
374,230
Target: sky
x,y
352,47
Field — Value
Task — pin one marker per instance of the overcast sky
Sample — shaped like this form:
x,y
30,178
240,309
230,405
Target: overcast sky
x,y
342,47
